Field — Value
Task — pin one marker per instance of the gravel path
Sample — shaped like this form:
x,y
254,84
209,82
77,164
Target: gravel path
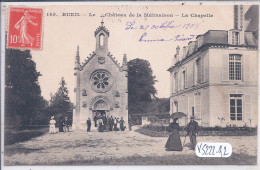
x,y
79,145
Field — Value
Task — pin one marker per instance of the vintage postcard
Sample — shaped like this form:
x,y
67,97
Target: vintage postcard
x,y
129,84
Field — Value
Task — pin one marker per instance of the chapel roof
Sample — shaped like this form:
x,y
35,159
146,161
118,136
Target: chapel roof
x,y
102,28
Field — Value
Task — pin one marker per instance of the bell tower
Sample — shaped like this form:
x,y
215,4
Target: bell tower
x,y
101,35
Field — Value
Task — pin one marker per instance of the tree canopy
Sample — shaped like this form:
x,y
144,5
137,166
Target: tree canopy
x,y
141,81
60,105
23,100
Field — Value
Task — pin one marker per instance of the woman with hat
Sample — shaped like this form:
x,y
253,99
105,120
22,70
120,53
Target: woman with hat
x,y
174,141
52,125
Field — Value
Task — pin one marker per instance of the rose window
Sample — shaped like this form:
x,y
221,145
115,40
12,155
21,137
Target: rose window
x,y
101,81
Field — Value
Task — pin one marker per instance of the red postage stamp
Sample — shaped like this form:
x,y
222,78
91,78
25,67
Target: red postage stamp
x,y
25,28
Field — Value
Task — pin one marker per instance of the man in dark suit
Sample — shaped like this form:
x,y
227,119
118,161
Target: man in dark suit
x,y
66,124
111,124
88,124
60,125
192,130
95,120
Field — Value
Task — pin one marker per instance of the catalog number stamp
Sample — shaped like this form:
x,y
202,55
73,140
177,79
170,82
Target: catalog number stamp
x,y
25,28
208,149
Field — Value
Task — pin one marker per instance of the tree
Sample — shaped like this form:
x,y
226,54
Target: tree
x,y
23,100
60,105
140,81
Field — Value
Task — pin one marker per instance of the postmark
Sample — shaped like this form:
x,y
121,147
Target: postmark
x,y
25,28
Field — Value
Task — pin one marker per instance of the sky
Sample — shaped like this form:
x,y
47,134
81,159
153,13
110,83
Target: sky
x,y
62,35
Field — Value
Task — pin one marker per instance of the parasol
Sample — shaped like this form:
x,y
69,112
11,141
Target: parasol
x,y
177,115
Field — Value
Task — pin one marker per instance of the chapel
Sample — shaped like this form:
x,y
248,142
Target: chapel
x,y
100,84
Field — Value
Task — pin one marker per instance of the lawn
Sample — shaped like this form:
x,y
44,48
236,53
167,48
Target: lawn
x,y
235,159
21,134
160,131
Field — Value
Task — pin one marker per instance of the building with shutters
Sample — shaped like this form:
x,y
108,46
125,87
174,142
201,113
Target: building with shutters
x,y
100,84
215,78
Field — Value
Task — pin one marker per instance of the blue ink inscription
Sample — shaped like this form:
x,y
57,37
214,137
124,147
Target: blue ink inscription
x,y
131,25
178,37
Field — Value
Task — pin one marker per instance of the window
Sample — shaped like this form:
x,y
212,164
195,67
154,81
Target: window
x,y
235,38
198,63
101,40
235,67
184,79
101,81
176,81
236,107
176,106
194,73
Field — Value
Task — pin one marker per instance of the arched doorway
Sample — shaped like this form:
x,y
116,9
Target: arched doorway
x,y
100,108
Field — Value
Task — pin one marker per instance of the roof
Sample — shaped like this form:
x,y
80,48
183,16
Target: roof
x,y
252,15
102,28
93,54
218,38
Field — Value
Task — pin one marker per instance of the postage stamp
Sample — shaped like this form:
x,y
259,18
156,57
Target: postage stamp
x,y
25,28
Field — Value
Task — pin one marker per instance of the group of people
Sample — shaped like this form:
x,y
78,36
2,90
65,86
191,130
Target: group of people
x,y
63,125
106,123
174,141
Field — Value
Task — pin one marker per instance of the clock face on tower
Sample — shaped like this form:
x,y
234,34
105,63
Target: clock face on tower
x,y
101,81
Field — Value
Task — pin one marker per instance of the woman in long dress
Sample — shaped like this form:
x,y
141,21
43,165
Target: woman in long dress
x,y
52,125
174,141
100,125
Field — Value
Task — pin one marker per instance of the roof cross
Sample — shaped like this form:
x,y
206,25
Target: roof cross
x,y
102,22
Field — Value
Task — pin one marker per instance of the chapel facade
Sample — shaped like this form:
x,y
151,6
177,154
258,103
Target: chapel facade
x,y
100,84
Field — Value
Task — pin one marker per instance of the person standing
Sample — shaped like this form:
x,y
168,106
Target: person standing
x,y
100,125
52,125
66,125
111,123
174,140
115,124
95,120
104,122
88,124
192,130
122,124
108,123
61,125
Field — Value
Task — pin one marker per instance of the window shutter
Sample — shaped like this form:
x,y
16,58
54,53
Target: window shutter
x,y
191,104
247,68
241,38
226,109
172,82
179,82
246,112
197,106
230,37
202,69
206,70
225,68
192,75
186,77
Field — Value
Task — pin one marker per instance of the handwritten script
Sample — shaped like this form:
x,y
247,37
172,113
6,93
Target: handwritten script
x,y
175,38
167,25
